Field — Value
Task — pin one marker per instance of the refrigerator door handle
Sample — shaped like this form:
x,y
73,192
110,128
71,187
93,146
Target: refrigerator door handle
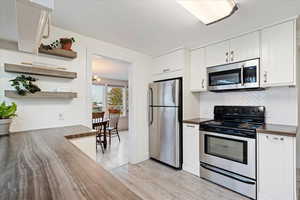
x,y
150,106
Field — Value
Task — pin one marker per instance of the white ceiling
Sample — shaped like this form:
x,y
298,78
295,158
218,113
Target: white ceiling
x,y
156,26
110,68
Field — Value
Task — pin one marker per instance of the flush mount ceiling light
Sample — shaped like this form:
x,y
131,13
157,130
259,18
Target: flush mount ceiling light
x,y
209,11
96,78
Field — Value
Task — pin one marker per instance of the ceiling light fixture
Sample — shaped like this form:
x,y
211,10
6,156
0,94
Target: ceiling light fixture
x,y
96,78
209,11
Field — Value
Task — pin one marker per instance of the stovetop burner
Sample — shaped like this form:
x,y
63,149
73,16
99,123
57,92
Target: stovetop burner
x,y
236,120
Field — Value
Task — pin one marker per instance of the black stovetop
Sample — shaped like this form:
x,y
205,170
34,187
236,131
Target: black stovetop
x,y
236,120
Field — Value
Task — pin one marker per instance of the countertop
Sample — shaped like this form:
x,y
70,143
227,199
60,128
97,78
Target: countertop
x,y
195,120
278,129
43,164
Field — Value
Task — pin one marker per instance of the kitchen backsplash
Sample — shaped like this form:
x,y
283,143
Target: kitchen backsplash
x,y
280,103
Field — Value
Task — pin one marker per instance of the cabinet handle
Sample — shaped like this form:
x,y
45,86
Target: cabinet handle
x,y
202,83
265,76
232,55
190,126
226,56
276,138
166,70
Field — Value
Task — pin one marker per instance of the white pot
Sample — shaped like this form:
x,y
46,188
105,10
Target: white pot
x,y
4,126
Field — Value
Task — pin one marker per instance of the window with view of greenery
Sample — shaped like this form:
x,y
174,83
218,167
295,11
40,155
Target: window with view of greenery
x,y
108,97
116,99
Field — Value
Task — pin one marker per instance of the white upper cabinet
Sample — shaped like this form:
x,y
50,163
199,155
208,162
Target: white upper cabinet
x,y
198,76
244,47
278,55
171,62
276,167
217,54
237,49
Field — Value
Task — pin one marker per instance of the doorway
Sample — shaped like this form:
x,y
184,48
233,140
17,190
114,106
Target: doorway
x,y
110,99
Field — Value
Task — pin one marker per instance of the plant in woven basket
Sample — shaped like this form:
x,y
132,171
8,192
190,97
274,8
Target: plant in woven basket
x,y
7,112
24,84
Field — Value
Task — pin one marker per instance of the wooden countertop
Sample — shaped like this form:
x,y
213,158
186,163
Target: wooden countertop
x,y
195,120
43,164
277,129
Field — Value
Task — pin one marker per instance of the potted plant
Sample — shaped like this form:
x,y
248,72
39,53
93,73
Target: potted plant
x,y
24,84
66,43
6,114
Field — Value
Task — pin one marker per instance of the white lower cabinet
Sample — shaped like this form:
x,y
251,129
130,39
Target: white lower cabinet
x,y
191,149
276,167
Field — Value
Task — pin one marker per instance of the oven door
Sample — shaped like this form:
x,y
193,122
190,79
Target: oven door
x,y
231,153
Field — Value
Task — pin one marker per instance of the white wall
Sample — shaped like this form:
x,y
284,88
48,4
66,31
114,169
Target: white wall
x,y
43,113
281,103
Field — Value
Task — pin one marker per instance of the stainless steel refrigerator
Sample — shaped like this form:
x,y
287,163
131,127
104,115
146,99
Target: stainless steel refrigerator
x,y
165,122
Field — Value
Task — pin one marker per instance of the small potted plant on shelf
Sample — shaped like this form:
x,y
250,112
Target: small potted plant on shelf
x,y
24,84
66,43
7,112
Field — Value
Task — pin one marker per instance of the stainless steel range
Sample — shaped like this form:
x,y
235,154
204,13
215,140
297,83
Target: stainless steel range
x,y
228,147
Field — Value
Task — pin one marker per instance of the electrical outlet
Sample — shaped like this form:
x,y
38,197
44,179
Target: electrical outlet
x,y
61,116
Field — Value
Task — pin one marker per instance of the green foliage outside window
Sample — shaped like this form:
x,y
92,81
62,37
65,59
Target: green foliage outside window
x,y
115,99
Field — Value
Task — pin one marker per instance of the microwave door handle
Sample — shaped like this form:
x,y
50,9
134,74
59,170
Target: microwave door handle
x,y
242,74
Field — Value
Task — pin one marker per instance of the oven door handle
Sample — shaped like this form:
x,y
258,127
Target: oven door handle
x,y
242,74
210,169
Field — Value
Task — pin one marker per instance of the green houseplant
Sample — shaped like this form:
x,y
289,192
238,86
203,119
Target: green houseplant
x,y
7,112
24,84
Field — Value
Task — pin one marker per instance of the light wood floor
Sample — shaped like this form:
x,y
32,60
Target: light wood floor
x,y
154,181
116,154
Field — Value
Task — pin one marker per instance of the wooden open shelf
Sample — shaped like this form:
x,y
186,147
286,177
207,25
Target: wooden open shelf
x,y
59,52
14,68
45,95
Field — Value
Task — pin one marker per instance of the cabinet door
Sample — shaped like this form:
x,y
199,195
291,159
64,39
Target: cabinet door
x,y
276,167
198,77
217,54
278,55
191,149
171,62
176,60
244,47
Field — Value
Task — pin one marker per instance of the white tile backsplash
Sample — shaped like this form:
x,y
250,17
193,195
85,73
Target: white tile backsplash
x,y
280,103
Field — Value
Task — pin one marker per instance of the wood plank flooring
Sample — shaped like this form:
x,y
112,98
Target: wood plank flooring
x,y
153,181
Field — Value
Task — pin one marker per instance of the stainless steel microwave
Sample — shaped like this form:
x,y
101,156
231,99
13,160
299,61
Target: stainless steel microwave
x,y
240,75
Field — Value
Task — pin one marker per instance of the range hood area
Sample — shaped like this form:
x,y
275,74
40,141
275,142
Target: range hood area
x,y
25,22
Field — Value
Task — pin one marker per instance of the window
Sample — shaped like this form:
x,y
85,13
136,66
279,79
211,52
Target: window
x,y
116,99
98,98
106,97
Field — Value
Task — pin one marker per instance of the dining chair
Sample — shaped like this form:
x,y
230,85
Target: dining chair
x,y
101,126
114,116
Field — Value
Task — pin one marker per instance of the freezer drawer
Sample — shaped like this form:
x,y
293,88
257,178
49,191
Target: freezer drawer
x,y
164,136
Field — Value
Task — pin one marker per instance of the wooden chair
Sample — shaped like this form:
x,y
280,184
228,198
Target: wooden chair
x,y
101,126
114,116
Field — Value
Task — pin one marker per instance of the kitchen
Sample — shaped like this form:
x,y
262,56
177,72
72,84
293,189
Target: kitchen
x,y
259,95
248,88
